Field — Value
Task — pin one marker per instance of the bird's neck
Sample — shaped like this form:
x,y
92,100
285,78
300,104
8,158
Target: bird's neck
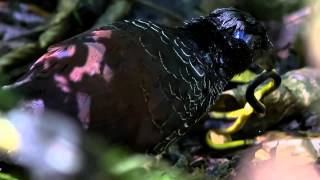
x,y
201,35
211,45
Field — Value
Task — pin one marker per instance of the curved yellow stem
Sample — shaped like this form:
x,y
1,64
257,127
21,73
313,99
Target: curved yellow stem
x,y
213,141
220,138
241,115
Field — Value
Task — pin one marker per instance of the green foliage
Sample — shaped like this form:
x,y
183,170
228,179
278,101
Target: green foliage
x,y
207,5
49,33
124,166
114,12
264,10
59,22
7,99
271,9
120,165
4,176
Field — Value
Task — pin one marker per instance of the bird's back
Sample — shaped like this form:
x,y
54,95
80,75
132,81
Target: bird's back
x,y
134,82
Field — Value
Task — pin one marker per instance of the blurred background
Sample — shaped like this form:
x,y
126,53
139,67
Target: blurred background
x,y
29,27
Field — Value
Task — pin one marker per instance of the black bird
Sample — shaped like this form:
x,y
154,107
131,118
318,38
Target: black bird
x,y
143,84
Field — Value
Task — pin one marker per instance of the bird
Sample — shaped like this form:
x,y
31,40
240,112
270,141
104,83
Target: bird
x,y
141,84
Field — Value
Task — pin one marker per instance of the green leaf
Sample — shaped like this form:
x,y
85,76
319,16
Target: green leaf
x,y
4,176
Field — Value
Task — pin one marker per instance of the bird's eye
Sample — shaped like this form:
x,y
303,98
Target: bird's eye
x,y
246,38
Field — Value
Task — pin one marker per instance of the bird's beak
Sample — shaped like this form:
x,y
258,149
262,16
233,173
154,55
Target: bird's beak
x,y
266,61
268,45
265,58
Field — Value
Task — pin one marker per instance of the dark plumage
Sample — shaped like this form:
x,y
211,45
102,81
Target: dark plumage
x,y
140,83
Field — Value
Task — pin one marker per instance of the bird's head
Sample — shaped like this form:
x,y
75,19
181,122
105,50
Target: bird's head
x,y
238,35
244,38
